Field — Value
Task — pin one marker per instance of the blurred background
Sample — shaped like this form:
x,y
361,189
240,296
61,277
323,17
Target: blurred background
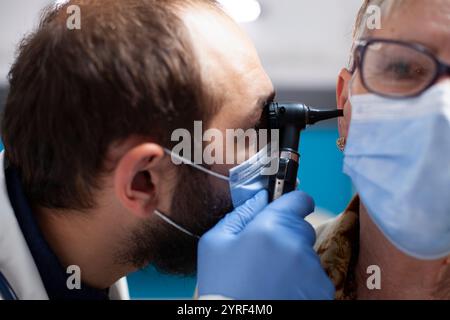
x,y
302,43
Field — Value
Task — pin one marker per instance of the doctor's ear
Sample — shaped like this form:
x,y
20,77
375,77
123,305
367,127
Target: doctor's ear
x,y
136,176
343,102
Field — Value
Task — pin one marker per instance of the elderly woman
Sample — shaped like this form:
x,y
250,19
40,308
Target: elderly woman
x,y
396,139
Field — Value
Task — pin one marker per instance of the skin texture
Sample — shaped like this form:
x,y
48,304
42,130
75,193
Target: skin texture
x,y
122,233
403,277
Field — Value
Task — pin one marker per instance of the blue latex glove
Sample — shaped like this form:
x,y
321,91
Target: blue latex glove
x,y
262,251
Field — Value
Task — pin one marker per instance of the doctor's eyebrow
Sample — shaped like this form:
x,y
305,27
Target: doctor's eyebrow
x,y
257,114
265,99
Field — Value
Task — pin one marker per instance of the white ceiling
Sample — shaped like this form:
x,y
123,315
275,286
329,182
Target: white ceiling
x,y
302,43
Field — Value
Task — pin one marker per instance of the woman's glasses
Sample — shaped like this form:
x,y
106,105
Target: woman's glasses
x,y
397,69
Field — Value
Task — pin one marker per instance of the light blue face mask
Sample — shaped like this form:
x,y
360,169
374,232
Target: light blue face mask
x,y
398,156
245,180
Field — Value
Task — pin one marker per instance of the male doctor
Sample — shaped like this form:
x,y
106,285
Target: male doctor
x,y
87,182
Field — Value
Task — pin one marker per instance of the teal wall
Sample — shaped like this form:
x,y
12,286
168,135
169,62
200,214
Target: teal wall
x,y
320,175
321,170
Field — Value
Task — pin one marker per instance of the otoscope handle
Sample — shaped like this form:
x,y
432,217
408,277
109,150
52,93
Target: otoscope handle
x,y
286,179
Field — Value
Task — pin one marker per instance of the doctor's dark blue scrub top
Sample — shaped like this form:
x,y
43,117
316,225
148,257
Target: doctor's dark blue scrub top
x,y
53,274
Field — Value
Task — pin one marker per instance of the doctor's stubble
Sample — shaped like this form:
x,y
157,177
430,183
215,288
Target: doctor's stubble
x,y
197,206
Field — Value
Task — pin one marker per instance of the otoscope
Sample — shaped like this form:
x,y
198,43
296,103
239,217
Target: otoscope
x,y
290,119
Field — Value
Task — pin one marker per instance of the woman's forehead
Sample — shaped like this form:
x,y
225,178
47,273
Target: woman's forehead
x,y
424,22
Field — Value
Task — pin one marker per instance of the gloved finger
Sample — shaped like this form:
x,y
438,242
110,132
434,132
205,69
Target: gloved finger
x,y
238,219
324,288
295,203
286,216
299,230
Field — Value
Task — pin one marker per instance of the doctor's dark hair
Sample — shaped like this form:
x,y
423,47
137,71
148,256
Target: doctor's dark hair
x,y
129,71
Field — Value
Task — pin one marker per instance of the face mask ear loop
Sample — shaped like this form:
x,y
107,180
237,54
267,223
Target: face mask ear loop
x,y
196,166
175,225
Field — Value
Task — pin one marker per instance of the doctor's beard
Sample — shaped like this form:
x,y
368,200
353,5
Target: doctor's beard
x,y
196,206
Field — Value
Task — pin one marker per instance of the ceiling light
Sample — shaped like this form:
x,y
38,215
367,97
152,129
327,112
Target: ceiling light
x,y
242,10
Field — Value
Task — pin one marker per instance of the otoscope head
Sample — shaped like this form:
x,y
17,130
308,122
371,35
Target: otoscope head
x,y
297,114
291,118
315,116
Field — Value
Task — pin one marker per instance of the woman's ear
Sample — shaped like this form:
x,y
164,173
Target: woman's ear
x,y
137,178
343,102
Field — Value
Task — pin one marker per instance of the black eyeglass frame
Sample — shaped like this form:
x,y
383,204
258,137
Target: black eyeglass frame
x,y
359,55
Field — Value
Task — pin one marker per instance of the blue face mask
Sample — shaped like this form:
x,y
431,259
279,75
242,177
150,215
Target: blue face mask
x,y
398,156
245,180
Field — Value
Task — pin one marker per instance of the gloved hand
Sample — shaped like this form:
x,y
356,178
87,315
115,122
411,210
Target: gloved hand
x,y
262,251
